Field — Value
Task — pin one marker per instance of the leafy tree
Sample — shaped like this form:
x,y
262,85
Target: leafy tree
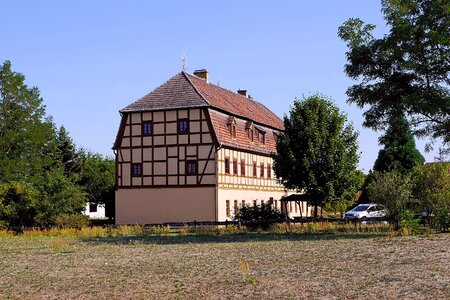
x,y
27,136
407,70
355,181
393,190
59,196
431,188
66,153
400,152
98,179
18,204
317,151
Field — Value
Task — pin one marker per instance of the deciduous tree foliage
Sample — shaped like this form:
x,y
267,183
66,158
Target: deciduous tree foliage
x,y
393,190
34,187
407,70
400,152
27,136
98,179
317,153
431,189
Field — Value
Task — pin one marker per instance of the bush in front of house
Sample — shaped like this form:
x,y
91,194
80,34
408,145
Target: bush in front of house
x,y
259,216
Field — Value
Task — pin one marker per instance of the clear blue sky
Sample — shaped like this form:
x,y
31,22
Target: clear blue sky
x,y
91,58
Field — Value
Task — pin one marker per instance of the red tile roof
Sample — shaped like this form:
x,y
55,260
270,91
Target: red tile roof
x,y
235,103
242,141
186,91
177,92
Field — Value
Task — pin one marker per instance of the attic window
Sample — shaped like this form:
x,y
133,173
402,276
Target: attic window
x,y
231,124
275,137
262,137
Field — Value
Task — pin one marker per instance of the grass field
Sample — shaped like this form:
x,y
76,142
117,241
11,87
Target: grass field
x,y
225,266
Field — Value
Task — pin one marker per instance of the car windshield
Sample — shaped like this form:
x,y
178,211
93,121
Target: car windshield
x,y
361,208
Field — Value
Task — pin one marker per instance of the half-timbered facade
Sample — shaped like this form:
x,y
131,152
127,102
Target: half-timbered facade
x,y
191,150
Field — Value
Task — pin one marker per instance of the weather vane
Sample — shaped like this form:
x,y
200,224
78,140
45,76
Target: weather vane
x,y
184,61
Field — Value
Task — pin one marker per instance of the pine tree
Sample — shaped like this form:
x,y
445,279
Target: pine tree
x,y
399,152
67,153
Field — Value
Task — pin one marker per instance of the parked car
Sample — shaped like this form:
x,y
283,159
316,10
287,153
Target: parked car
x,y
424,216
366,212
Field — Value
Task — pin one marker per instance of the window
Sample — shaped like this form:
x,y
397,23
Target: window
x,y
236,207
235,167
275,137
269,171
271,201
261,170
262,202
147,128
227,166
92,207
262,137
243,203
250,134
228,208
254,169
254,203
191,167
242,167
136,170
183,126
232,128
276,204
290,206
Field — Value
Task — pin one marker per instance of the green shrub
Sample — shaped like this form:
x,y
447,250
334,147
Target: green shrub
x,y
259,216
393,190
71,221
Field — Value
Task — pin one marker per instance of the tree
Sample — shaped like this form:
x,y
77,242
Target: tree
x,y
355,182
27,136
400,152
67,154
317,151
431,188
98,179
407,70
393,190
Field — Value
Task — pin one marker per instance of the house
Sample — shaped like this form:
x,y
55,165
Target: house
x,y
191,150
95,211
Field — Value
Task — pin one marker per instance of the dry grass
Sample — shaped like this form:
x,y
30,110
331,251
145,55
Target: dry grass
x,y
137,264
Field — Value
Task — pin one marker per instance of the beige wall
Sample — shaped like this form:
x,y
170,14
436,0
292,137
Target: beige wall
x,y
249,196
159,205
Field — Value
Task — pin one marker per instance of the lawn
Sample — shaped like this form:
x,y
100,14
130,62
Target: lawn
x,y
225,266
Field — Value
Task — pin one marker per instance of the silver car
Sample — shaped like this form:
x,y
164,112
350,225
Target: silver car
x,y
366,212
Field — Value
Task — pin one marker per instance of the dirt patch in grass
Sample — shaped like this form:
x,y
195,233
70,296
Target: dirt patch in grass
x,y
229,266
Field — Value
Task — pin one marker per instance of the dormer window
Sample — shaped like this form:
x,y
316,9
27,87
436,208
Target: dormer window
x,y
249,127
231,124
262,137
275,137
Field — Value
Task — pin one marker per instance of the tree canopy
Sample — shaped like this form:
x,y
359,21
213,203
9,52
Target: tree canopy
x,y
26,134
43,177
317,153
400,152
405,71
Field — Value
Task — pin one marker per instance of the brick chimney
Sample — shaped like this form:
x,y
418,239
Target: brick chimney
x,y
202,74
243,93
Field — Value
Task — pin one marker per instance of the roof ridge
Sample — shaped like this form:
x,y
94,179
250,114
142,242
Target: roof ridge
x,y
225,89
